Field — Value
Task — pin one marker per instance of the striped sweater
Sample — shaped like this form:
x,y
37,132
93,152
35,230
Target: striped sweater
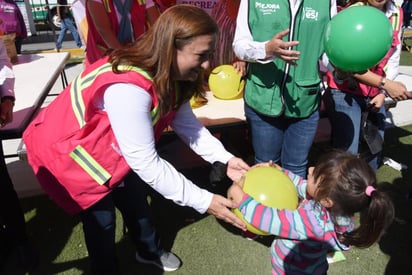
x,y
304,235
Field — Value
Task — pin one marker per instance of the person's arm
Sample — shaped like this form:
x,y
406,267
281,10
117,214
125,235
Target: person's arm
x,y
152,12
102,23
249,50
58,10
395,89
392,68
195,135
243,45
7,97
203,143
128,108
304,223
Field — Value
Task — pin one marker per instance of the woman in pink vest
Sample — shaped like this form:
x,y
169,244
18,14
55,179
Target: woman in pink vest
x,y
107,122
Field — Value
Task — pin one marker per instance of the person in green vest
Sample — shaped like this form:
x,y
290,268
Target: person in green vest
x,y
282,43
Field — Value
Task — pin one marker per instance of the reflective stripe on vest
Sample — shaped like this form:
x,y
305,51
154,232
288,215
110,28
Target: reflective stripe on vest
x,y
107,6
79,154
80,83
89,164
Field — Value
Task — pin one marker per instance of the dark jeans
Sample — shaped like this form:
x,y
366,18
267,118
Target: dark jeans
x,y
12,223
99,224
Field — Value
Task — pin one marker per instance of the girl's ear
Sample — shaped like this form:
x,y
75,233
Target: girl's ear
x,y
326,202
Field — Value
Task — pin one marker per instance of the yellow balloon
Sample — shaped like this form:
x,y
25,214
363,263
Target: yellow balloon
x,y
226,83
198,101
271,187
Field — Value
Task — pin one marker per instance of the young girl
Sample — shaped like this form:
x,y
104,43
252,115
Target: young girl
x,y
337,188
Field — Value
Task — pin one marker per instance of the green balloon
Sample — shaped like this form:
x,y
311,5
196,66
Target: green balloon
x,y
357,38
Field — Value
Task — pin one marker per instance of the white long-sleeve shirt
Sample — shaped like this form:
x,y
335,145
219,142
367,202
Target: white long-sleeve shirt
x,y
128,109
6,73
392,68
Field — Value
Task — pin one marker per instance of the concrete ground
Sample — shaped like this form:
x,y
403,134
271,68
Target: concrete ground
x,y
21,173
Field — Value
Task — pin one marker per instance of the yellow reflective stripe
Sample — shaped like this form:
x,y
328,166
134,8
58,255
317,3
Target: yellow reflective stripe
x,y
106,5
79,84
92,168
396,22
77,102
76,88
155,115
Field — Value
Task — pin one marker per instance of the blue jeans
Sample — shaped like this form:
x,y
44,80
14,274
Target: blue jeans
x,y
67,24
345,115
283,140
99,225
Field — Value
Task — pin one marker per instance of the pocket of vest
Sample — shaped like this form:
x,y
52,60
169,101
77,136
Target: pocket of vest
x,y
309,87
264,75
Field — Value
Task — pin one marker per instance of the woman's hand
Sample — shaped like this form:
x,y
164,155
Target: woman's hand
x,y
236,168
219,207
6,111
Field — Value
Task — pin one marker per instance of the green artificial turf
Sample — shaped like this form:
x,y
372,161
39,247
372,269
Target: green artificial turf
x,y
406,58
208,246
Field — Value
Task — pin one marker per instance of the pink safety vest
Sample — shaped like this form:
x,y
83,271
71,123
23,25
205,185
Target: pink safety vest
x,y
70,144
96,47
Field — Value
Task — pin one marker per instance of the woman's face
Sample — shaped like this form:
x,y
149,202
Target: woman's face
x,y
380,4
193,58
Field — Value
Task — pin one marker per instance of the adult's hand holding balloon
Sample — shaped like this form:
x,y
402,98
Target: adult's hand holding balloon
x,y
357,38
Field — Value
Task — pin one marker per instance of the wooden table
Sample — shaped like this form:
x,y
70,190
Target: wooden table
x,y
219,113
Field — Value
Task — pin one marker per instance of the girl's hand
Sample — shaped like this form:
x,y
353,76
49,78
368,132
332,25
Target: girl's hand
x,y
377,101
235,193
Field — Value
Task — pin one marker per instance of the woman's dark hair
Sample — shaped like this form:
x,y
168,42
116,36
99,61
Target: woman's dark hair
x,y
155,51
343,178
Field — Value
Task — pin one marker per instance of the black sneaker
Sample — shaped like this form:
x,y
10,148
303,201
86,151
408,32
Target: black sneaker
x,y
167,262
